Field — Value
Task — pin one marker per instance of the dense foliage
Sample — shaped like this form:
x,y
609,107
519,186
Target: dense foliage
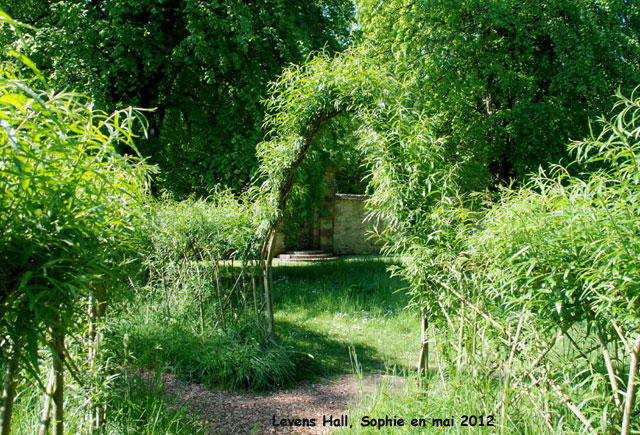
x,y
187,249
67,201
552,263
204,66
448,101
511,81
68,206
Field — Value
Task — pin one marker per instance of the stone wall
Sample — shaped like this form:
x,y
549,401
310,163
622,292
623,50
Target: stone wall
x,y
350,231
340,229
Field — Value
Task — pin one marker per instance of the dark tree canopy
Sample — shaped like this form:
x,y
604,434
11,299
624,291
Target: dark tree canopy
x,y
204,65
511,80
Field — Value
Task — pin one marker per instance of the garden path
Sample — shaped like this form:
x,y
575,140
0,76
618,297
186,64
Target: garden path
x,y
225,412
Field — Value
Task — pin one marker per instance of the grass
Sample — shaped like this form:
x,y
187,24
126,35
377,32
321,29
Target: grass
x,y
440,404
328,308
324,308
321,309
235,359
332,318
133,407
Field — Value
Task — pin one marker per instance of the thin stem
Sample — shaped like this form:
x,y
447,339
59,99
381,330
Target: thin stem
x,y
58,393
268,281
216,271
9,388
612,376
628,404
444,383
45,419
576,411
507,376
423,360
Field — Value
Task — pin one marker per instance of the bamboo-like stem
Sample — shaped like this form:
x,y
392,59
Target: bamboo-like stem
x,y
165,296
72,367
91,332
423,359
92,354
612,376
255,295
268,287
283,190
9,388
444,383
57,344
628,403
532,367
461,353
45,418
477,310
533,402
507,375
199,292
622,339
474,333
227,301
244,292
582,354
201,309
547,412
446,315
483,335
98,410
576,411
216,271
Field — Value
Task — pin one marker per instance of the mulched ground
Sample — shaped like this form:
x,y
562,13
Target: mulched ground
x,y
225,412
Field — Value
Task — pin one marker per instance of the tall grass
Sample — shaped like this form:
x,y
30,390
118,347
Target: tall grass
x,y
132,406
540,289
321,310
238,358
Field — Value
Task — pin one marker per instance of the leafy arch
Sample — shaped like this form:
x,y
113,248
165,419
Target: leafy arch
x,y
409,167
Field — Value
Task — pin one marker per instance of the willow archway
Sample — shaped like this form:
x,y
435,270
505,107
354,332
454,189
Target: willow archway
x,y
407,163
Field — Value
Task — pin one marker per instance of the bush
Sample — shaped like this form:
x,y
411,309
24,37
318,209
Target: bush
x,y
563,252
203,251
68,206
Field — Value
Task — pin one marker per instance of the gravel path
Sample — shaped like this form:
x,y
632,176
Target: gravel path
x,y
237,413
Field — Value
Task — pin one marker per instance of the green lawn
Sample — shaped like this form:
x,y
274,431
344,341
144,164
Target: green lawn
x,y
326,308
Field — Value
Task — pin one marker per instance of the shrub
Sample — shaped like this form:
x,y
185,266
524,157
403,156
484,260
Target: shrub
x,y
563,252
68,205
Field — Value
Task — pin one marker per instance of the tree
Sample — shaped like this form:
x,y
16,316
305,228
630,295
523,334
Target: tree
x,y
204,66
510,80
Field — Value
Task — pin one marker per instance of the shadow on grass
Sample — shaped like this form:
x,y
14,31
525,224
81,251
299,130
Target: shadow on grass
x,y
241,359
345,285
352,289
330,357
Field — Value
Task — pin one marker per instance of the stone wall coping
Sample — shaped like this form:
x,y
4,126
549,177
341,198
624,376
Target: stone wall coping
x,y
352,196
